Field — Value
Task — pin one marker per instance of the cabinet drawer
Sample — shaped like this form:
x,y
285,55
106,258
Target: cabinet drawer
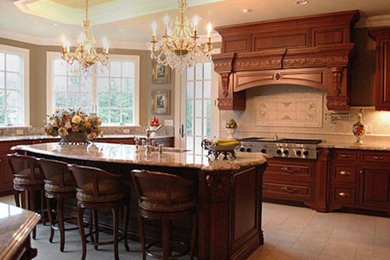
x,y
344,195
377,157
286,191
289,171
345,155
344,174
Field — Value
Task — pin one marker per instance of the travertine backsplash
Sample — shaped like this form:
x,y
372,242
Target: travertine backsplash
x,y
292,104
136,130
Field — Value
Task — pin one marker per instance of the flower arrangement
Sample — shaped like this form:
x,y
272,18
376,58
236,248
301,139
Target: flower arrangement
x,y
231,124
154,121
73,122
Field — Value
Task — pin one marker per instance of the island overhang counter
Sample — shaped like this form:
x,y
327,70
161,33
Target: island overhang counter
x,y
229,192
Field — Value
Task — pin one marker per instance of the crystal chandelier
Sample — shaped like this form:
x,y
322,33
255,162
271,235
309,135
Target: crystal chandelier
x,y
85,53
179,46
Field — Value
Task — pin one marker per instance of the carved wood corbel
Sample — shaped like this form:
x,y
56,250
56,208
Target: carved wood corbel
x,y
219,184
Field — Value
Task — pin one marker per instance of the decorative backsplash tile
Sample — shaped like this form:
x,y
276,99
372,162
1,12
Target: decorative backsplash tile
x,y
288,111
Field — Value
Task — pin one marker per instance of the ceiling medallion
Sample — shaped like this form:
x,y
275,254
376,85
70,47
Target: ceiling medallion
x,y
85,54
179,46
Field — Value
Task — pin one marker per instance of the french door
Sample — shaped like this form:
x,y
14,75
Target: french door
x,y
199,116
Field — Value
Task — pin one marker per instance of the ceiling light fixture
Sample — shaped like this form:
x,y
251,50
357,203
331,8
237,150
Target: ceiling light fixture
x,y
178,47
85,53
245,11
302,2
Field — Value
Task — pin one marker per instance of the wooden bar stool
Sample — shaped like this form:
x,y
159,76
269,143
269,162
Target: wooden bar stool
x,y
58,186
99,189
165,197
28,181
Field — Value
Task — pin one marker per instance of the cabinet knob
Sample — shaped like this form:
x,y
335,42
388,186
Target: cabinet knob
x,y
344,195
288,170
377,157
289,189
344,173
361,171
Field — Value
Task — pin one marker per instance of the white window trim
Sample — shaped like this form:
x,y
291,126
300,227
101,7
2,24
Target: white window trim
x,y
50,56
25,53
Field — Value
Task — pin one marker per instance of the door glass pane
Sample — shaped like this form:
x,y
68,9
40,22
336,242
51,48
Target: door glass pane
x,y
207,89
189,106
198,147
198,72
189,126
2,61
199,89
207,127
207,108
189,143
2,83
1,98
198,126
198,108
207,71
190,89
2,116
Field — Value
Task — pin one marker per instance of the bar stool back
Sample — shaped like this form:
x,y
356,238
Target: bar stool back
x,y
166,197
58,186
28,180
99,189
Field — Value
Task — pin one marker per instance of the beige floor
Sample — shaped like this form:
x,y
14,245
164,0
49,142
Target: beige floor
x,y
290,233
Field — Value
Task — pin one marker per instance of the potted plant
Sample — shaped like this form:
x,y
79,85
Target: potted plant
x,y
231,127
73,126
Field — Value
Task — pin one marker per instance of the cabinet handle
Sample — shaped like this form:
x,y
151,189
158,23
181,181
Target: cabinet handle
x,y
344,173
344,195
288,170
345,156
377,157
289,189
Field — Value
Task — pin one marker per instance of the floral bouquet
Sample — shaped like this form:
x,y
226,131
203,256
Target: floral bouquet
x,y
232,124
73,126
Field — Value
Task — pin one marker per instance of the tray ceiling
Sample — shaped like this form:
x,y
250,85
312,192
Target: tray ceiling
x,y
100,11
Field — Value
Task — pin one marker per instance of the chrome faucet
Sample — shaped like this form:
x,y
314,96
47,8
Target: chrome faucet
x,y
148,144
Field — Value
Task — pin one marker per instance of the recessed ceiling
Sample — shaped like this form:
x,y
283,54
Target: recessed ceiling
x,y
144,12
99,11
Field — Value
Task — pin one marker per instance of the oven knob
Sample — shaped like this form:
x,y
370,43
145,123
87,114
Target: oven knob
x,y
279,152
285,152
248,149
263,151
242,149
299,152
306,153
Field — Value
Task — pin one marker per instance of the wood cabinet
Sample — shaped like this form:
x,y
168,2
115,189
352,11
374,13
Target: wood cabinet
x,y
382,92
360,179
289,179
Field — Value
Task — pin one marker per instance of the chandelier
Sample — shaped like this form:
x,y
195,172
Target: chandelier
x,y
179,46
85,53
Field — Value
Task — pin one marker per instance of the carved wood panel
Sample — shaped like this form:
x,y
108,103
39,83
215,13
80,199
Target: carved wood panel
x,y
320,42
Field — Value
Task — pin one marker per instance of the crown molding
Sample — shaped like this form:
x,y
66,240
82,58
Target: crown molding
x,y
46,41
374,21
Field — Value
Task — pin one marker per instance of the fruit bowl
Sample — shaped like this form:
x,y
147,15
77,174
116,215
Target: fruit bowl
x,y
217,147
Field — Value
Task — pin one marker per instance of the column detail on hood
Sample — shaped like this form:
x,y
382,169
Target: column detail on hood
x,y
313,51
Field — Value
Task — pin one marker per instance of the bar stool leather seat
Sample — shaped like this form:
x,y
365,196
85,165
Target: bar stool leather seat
x,y
59,188
98,189
24,181
160,207
28,180
165,197
81,196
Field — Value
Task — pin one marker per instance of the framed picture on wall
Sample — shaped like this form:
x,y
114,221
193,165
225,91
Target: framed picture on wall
x,y
161,73
161,101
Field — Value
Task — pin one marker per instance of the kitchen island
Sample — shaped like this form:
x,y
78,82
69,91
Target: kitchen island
x,y
229,192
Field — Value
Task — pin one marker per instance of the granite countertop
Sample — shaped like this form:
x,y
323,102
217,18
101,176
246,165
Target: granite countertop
x,y
15,225
367,145
39,137
120,153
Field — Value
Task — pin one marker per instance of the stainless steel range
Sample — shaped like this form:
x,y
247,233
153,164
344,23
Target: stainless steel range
x,y
285,148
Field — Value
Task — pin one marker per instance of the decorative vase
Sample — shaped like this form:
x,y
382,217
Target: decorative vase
x,y
231,132
153,134
359,129
75,138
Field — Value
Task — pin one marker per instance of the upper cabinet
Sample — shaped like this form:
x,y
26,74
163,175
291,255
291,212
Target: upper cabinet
x,y
382,91
314,51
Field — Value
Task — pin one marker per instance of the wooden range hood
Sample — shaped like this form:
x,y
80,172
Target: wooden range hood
x,y
312,51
